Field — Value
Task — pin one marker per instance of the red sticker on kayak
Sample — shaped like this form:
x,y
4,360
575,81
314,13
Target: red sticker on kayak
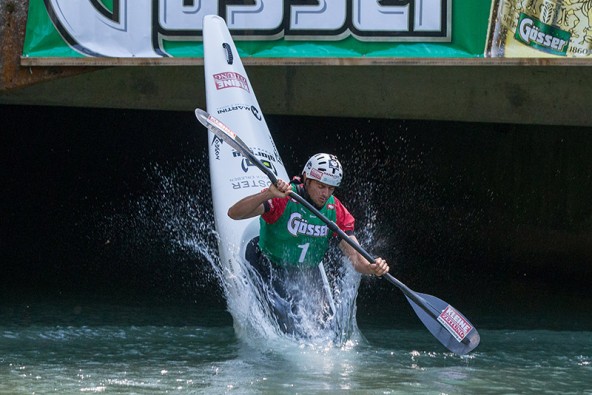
x,y
454,323
231,79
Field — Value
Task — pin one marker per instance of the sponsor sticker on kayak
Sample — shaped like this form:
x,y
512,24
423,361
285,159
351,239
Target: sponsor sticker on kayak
x,y
455,323
231,79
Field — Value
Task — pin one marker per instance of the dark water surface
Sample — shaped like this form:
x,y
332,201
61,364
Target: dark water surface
x,y
107,247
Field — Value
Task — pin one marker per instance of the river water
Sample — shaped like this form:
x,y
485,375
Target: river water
x,y
110,283
73,347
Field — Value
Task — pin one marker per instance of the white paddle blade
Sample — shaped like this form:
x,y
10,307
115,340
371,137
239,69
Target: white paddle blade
x,y
221,130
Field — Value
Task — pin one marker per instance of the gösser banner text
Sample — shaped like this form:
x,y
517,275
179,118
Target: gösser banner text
x,y
263,28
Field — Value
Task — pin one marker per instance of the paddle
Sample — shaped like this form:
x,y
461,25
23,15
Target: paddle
x,y
446,323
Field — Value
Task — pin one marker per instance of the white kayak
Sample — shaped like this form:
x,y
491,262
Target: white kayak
x,y
231,100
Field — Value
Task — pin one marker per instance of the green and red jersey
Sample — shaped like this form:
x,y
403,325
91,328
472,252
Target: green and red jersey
x,y
291,235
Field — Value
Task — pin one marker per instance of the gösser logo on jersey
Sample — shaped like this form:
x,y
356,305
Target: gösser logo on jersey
x,y
298,225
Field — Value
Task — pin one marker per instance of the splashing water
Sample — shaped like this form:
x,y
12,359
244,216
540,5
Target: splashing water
x,y
177,215
316,325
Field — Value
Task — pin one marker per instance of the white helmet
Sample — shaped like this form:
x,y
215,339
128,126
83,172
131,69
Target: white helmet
x,y
324,168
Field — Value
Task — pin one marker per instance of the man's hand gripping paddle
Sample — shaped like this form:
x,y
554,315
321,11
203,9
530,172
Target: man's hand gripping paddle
x,y
446,323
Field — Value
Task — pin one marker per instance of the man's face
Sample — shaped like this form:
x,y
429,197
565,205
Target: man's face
x,y
319,192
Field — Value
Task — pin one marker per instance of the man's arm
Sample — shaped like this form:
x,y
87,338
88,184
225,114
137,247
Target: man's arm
x,y
252,205
378,268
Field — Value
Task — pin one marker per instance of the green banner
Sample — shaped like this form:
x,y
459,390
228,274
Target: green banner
x,y
352,29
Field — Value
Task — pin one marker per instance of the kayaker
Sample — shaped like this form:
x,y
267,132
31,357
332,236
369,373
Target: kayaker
x,y
292,237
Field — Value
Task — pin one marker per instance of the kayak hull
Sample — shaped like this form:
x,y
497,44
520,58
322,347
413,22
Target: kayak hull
x,y
230,97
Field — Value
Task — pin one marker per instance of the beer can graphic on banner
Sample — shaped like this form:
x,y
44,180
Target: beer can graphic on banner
x,y
540,28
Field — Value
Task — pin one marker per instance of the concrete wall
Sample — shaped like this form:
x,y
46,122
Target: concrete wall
x,y
558,95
